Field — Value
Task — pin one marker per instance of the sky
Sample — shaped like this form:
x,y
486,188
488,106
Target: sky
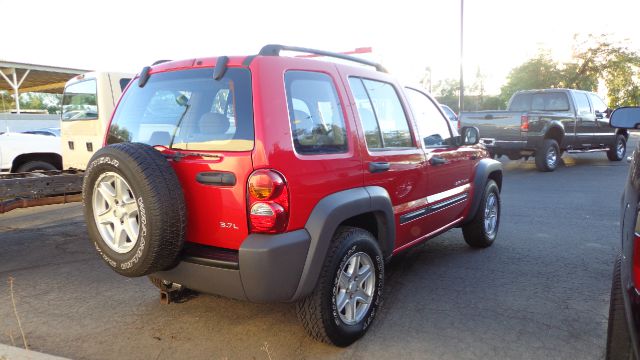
x,y
406,36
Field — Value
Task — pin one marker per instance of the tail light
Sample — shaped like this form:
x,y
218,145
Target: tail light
x,y
636,254
524,123
459,124
268,202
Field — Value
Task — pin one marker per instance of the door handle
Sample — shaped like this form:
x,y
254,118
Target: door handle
x,y
376,167
437,160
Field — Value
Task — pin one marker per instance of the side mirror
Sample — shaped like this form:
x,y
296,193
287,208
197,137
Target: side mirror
x,y
599,115
469,135
625,118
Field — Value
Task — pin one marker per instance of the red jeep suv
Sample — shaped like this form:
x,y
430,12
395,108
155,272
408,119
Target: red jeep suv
x,y
276,178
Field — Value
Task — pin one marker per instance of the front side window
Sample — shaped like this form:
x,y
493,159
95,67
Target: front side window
x,y
315,113
381,114
432,126
598,104
79,101
188,110
582,103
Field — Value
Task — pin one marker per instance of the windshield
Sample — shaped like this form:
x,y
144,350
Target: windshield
x,y
79,101
188,110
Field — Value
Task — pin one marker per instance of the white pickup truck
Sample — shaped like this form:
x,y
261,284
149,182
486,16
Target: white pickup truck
x,y
30,151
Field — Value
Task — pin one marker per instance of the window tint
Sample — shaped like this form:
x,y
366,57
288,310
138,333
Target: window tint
x,y
315,112
432,126
555,101
582,103
123,83
188,110
79,101
385,107
597,103
365,111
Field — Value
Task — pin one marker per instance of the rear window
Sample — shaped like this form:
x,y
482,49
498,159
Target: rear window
x,y
79,101
188,110
556,101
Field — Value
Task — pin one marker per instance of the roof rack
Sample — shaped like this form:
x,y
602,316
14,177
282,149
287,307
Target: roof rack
x,y
160,62
274,50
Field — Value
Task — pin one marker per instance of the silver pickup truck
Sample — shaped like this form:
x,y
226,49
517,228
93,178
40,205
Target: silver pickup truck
x,y
545,123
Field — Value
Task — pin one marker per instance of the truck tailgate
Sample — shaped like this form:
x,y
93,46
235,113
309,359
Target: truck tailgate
x,y
499,125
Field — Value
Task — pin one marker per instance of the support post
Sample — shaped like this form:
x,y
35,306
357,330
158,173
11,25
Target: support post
x,y
16,91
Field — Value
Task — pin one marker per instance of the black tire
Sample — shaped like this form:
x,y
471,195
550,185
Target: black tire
x,y
319,313
618,340
476,233
613,153
160,208
35,165
545,153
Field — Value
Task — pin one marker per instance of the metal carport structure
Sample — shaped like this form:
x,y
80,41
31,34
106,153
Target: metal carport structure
x,y
24,77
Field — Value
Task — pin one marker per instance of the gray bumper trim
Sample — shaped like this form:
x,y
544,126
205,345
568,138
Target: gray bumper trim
x,y
269,269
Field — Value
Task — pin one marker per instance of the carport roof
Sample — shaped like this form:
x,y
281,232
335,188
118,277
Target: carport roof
x,y
39,78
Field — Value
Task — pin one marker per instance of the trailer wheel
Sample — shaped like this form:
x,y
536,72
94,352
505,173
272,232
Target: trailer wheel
x,y
134,209
34,166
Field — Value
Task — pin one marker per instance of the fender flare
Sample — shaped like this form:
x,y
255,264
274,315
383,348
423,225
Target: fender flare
x,y
484,169
329,213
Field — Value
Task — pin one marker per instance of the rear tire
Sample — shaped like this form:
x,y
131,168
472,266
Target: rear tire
x,y
335,313
134,209
618,341
617,152
548,156
482,230
35,166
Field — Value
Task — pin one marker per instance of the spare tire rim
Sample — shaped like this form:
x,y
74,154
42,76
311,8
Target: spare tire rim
x,y
355,288
491,215
552,157
620,149
115,212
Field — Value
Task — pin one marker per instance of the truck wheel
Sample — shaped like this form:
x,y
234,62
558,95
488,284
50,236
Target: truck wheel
x,y
34,166
134,209
617,152
349,290
618,340
482,230
548,156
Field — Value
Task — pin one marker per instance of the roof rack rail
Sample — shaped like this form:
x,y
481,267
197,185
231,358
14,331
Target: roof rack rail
x,y
160,62
274,50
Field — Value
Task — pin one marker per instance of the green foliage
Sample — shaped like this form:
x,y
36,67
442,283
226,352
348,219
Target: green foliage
x,y
594,58
31,101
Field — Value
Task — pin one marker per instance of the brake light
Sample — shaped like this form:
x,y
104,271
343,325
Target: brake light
x,y
636,253
524,123
459,124
268,198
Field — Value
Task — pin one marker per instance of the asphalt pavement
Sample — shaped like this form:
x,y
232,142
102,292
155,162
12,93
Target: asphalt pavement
x,y
540,292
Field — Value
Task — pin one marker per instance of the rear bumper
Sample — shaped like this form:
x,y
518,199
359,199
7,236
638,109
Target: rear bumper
x,y
267,268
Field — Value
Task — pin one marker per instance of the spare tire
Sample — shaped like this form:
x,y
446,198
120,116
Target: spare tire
x,y
134,209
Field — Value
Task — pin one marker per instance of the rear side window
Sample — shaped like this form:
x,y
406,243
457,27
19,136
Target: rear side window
x,y
79,101
315,112
381,114
188,110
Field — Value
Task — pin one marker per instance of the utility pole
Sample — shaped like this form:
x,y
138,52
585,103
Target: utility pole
x,y
461,99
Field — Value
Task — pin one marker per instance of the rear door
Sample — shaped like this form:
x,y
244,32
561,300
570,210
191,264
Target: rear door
x,y
586,125
392,159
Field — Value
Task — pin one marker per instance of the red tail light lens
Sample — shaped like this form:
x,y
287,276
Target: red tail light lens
x,y
268,197
524,123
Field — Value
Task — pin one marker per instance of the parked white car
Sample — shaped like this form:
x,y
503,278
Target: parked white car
x,y
25,152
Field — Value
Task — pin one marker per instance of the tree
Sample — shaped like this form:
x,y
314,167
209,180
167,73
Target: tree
x,y
594,58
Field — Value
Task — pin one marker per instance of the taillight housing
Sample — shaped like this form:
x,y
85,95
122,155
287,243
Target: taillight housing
x,y
268,198
524,123
635,261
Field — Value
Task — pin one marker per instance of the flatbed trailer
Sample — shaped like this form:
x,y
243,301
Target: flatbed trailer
x,y
21,190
